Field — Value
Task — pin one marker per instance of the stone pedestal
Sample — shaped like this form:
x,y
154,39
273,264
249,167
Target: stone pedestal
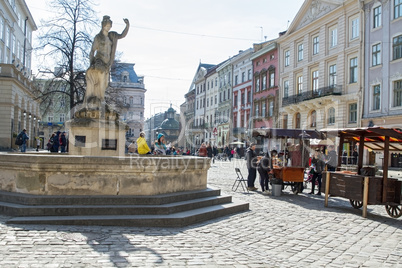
x,y
97,131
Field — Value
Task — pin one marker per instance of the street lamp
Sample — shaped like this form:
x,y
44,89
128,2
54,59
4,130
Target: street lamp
x,y
25,113
30,116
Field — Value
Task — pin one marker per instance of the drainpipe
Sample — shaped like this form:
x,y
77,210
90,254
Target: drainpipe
x,y
361,65
25,40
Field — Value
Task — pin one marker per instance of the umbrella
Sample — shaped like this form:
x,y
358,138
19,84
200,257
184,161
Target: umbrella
x,y
237,143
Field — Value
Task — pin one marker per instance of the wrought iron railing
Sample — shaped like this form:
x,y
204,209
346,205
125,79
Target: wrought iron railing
x,y
312,94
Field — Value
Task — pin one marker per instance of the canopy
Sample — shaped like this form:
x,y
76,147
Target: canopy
x,y
287,133
374,137
237,143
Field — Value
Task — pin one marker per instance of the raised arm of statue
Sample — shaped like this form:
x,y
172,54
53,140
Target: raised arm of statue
x,y
125,31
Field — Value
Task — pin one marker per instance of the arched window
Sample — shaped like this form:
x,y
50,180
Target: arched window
x,y
313,119
297,120
131,100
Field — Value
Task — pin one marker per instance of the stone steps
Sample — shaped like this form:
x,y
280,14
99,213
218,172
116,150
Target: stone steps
x,y
167,210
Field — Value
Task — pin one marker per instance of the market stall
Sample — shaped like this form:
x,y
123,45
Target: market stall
x,y
295,156
364,187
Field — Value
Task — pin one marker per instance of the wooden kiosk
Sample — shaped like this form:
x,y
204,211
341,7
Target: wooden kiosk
x,y
291,175
363,187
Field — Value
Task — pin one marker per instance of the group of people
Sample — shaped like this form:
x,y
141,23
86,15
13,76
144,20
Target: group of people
x,y
58,141
264,165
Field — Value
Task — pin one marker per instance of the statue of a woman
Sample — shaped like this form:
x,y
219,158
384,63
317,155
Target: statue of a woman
x,y
101,59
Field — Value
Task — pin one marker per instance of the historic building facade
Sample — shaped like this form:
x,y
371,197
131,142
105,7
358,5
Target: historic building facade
x,y
383,63
130,95
242,90
265,81
321,66
19,109
224,116
211,109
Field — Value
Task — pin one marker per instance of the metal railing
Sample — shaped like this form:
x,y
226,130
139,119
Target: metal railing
x,y
312,94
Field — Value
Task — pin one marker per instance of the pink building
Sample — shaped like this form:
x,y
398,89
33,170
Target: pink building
x,y
265,85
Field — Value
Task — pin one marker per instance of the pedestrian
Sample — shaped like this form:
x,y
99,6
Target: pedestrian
x,y
142,144
132,148
252,167
63,142
317,164
37,144
332,158
203,150
345,157
264,167
209,150
56,142
24,137
160,145
355,154
50,143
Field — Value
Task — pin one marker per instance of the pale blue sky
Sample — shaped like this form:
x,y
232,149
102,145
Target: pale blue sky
x,y
168,38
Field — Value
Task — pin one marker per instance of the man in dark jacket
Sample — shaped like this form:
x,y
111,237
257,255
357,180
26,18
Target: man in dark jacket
x,y
332,158
252,167
63,142
318,165
264,167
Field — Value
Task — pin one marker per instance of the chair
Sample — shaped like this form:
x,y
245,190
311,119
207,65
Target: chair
x,y
240,180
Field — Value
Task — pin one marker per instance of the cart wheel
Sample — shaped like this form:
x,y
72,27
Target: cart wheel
x,y
356,204
394,211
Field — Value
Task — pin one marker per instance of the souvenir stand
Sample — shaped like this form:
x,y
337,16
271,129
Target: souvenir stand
x,y
293,174
364,187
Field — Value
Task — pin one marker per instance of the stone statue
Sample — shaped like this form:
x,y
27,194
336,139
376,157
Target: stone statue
x,y
101,59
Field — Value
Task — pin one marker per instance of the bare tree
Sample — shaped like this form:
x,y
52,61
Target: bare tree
x,y
64,44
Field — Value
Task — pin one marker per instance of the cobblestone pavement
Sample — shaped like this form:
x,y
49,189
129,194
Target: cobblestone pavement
x,y
286,231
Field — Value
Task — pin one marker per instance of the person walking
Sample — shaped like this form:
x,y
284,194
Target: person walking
x,y
203,150
317,164
355,154
142,146
252,167
37,144
24,138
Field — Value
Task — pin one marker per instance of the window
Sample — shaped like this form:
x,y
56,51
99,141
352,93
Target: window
x,y
50,118
257,111
62,118
285,121
248,96
299,88
264,108
208,103
234,101
300,52
397,93
1,28
297,120
243,77
331,116
376,97
236,79
377,17
286,88
353,113
334,37
264,81
131,100
313,119
355,28
242,98
287,58
376,55
271,79
397,47
397,8
353,70
7,36
249,74
316,45
332,75
315,80
271,108
257,84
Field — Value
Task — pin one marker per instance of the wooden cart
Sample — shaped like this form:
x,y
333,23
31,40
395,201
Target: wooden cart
x,y
291,176
363,187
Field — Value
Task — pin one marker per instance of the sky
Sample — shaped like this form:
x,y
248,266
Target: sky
x,y
169,38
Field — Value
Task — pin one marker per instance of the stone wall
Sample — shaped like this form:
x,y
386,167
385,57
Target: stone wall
x,y
89,175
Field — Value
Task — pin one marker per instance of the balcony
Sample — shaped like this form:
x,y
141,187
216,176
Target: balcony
x,y
309,95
